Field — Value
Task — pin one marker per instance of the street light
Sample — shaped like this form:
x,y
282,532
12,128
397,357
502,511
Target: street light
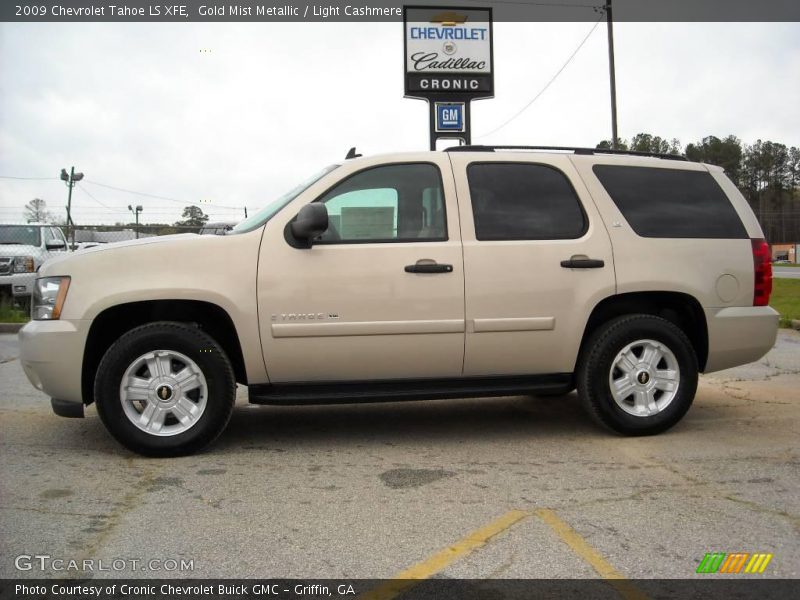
x,y
70,179
136,214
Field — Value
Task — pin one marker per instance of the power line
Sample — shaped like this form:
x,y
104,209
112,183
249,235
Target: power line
x,y
156,196
88,193
119,189
548,84
30,178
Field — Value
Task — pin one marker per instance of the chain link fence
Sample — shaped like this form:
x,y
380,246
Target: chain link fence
x,y
78,236
81,237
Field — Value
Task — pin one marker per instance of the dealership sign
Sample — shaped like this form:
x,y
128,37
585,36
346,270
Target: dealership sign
x,y
448,52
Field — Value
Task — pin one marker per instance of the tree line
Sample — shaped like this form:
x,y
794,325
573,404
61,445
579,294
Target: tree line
x,y
767,173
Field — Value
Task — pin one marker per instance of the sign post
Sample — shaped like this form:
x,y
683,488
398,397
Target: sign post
x,y
448,62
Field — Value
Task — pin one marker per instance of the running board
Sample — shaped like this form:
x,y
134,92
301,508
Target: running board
x,y
417,389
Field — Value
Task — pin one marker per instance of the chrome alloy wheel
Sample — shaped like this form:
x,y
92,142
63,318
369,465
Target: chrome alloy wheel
x,y
163,392
644,378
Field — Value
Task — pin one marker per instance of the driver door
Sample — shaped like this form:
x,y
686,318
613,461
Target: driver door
x,y
380,295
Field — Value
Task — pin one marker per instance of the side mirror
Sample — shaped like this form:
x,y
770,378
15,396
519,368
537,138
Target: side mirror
x,y
55,245
310,222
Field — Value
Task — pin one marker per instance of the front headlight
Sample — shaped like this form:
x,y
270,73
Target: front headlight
x,y
49,294
24,264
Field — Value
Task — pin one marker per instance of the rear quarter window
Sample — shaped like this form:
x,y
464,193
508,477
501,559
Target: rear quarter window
x,y
671,203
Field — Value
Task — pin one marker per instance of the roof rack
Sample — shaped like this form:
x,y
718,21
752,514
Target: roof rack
x,y
572,149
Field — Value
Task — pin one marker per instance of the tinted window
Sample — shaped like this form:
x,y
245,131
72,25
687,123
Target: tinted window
x,y
671,203
519,201
394,203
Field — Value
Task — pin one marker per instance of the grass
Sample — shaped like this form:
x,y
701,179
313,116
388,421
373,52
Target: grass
x,y
791,265
10,314
786,299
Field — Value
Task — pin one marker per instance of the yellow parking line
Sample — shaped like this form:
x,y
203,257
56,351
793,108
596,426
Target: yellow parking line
x,y
411,576
581,547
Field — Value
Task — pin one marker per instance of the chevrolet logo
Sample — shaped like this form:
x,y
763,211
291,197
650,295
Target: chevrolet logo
x,y
449,19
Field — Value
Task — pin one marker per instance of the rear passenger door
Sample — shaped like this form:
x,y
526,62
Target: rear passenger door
x,y
537,259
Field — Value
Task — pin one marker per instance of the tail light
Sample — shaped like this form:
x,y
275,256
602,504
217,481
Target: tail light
x,y
762,284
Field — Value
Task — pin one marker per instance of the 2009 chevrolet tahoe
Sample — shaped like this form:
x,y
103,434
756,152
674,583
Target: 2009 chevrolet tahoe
x,y
478,271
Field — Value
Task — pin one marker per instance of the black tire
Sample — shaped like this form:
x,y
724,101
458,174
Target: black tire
x,y
595,364
194,344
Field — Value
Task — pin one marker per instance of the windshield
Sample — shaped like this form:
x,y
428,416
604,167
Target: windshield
x,y
265,214
26,235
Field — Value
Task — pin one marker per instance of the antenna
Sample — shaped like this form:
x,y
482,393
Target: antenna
x,y
352,154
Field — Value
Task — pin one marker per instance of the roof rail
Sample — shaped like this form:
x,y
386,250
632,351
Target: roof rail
x,y
572,149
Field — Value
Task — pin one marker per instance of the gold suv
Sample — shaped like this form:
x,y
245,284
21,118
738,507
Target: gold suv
x,y
480,271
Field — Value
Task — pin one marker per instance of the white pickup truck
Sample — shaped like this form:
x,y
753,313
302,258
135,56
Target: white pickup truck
x,y
23,249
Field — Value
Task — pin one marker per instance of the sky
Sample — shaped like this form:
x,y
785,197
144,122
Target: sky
x,y
229,115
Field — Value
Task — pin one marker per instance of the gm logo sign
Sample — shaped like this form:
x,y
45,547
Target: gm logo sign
x,y
450,116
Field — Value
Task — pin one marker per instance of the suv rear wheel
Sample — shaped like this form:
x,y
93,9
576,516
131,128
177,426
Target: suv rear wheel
x,y
165,389
638,375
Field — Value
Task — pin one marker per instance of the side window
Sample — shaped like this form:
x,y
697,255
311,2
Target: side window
x,y
393,203
522,201
671,203
56,235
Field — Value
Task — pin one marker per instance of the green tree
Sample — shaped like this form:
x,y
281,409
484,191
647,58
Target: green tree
x,y
606,145
36,211
192,217
766,183
647,142
725,153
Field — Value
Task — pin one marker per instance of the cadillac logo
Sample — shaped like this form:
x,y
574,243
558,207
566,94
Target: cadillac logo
x,y
449,48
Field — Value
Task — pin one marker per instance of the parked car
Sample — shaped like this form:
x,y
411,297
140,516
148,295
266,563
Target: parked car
x,y
480,271
23,249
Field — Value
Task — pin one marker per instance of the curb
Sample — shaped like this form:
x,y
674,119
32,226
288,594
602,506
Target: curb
x,y
10,327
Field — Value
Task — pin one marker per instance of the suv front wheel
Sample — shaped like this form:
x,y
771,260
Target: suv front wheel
x,y
165,389
638,375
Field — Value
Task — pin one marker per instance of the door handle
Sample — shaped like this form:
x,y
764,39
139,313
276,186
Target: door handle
x,y
583,263
426,266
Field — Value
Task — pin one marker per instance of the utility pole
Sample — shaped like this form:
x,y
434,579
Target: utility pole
x,y
613,78
70,179
136,214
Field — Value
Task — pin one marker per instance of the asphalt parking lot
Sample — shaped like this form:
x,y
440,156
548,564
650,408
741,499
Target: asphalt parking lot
x,y
489,488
